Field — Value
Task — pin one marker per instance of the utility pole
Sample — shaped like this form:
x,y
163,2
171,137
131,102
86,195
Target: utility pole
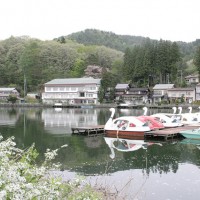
x,y
24,87
181,77
181,71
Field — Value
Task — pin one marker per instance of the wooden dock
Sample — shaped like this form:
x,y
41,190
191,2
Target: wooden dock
x,y
89,131
168,133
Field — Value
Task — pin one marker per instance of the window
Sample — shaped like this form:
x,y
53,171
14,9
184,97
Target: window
x,y
48,89
92,88
62,88
89,95
90,101
194,80
73,88
82,94
55,88
80,88
157,92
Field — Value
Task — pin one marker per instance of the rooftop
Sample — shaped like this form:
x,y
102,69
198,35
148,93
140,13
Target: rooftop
x,y
6,89
163,86
64,81
122,86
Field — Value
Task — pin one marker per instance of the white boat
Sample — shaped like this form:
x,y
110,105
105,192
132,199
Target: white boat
x,y
126,126
187,118
167,121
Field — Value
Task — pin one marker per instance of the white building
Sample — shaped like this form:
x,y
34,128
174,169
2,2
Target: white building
x,y
161,90
198,92
188,94
6,92
192,79
72,91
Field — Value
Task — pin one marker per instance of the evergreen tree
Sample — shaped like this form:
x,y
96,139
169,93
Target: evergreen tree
x,y
197,60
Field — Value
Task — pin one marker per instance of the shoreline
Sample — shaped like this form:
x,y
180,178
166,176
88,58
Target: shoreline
x,y
91,106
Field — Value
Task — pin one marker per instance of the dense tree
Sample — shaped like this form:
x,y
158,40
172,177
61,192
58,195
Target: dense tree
x,y
78,69
37,62
197,60
152,60
108,83
144,62
31,66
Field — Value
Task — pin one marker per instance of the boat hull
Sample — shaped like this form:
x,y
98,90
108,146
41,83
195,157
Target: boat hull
x,y
137,135
191,134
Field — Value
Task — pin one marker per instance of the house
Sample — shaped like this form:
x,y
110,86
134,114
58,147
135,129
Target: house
x,y
160,91
120,89
71,91
198,92
182,94
6,92
136,96
192,79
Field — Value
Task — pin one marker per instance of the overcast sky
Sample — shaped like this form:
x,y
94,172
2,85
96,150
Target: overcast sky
x,y
175,20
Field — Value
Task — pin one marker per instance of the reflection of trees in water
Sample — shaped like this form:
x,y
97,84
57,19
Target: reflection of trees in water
x,y
156,159
12,112
165,160
92,157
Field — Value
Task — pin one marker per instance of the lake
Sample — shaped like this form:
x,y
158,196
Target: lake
x,y
156,170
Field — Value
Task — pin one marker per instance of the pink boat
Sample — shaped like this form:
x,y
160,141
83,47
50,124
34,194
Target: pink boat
x,y
152,122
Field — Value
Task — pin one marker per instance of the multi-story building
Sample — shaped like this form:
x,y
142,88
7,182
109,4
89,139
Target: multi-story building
x,y
192,79
121,89
136,95
160,91
198,92
186,94
71,91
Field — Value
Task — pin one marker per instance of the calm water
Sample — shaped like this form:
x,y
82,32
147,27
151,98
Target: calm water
x,y
157,170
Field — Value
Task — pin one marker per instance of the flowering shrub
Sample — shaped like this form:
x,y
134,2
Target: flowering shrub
x,y
21,178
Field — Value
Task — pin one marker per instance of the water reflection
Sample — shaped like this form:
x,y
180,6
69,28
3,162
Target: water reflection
x,y
191,142
60,121
8,117
167,164
126,145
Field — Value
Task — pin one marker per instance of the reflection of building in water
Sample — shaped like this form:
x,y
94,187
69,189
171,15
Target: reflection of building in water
x,y
7,118
62,121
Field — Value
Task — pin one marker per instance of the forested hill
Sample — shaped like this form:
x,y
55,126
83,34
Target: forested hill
x,y
108,39
24,59
121,42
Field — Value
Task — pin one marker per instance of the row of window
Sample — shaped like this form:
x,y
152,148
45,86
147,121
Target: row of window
x,y
46,95
62,89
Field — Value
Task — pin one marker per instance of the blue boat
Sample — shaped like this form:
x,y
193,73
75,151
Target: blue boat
x,y
192,133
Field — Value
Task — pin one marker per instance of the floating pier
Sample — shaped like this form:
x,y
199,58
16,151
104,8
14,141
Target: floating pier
x,y
89,131
168,133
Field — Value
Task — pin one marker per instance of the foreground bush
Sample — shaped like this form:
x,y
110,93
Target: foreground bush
x,y
21,178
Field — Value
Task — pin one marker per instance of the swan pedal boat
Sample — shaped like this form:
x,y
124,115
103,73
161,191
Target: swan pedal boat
x,y
126,126
168,122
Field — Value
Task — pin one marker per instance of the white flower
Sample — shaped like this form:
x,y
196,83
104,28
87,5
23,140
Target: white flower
x,y
65,145
3,194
